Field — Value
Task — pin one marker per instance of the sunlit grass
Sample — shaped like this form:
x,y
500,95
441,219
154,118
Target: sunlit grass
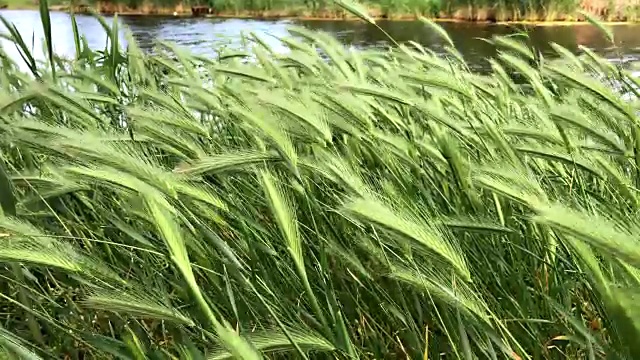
x,y
28,4
318,203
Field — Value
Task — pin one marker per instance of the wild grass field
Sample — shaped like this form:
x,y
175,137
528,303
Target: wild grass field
x,y
318,203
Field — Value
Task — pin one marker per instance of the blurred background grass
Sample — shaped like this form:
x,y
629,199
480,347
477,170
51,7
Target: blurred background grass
x,y
471,10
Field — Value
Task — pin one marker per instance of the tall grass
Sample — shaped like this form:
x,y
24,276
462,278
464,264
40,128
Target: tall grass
x,y
466,10
322,203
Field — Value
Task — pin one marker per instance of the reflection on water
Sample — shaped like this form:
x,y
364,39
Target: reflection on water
x,y
201,36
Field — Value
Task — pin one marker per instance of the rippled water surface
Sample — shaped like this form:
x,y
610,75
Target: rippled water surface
x,y
203,35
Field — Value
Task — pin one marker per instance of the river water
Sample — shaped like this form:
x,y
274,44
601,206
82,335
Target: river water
x,y
202,35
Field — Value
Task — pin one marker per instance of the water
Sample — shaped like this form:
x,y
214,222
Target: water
x,y
202,36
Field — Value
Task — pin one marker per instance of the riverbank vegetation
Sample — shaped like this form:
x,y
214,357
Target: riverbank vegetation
x,y
317,203
454,10
459,10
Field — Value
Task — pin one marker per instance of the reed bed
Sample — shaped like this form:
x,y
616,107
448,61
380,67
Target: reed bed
x,y
446,10
461,10
320,203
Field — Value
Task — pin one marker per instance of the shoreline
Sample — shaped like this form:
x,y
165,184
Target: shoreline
x,y
322,16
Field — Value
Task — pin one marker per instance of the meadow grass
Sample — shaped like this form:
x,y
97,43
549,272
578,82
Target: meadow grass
x,y
318,203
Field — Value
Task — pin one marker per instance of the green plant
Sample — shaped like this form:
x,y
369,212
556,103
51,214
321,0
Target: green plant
x,y
317,204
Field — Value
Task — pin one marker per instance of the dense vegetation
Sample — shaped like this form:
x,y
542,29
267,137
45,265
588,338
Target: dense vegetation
x,y
466,10
470,10
458,9
321,203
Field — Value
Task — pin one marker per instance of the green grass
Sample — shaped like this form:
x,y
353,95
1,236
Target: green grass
x,y
28,4
465,10
18,4
355,204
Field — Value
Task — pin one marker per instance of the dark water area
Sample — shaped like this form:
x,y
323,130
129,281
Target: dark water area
x,y
203,36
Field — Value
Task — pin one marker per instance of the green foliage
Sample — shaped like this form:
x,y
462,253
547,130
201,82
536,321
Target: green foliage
x,y
319,203
472,10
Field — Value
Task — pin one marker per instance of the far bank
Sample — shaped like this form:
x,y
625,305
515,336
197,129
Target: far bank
x,y
503,11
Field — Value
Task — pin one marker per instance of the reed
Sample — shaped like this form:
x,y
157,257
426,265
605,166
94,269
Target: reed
x,y
464,10
318,203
